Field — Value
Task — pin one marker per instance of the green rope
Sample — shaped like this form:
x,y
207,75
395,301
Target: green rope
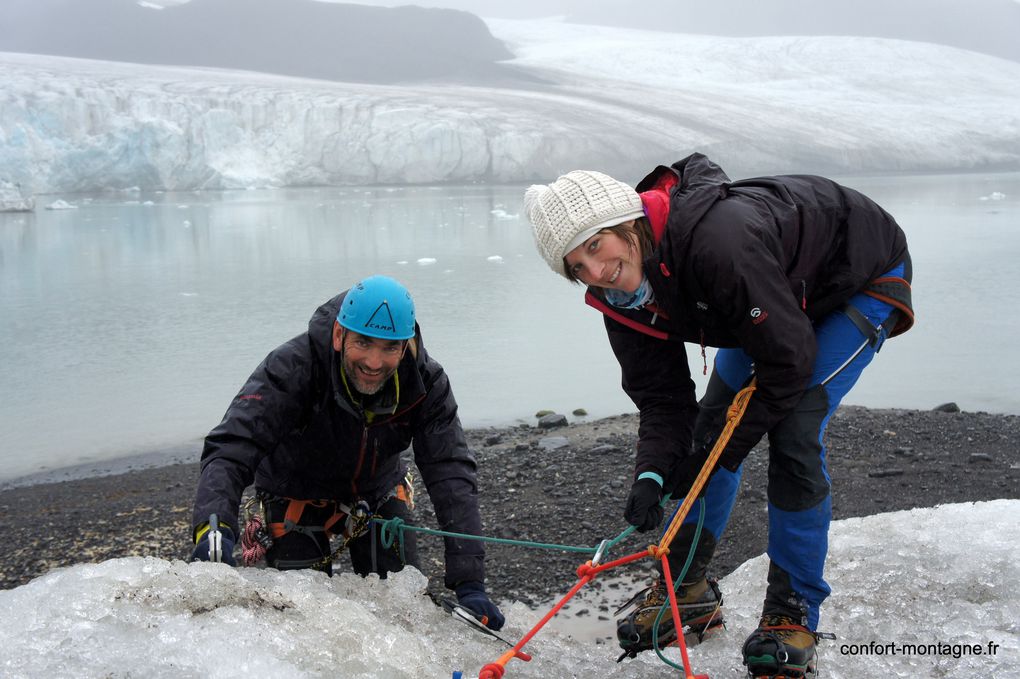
x,y
394,528
391,529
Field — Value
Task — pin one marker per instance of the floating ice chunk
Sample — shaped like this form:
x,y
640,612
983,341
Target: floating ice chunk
x,y
502,215
994,195
425,261
494,258
61,205
13,200
402,262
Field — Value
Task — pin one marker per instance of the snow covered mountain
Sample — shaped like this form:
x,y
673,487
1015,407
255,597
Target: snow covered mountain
x,y
616,100
919,593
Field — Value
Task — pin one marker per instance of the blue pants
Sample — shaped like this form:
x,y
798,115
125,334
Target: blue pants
x,y
800,506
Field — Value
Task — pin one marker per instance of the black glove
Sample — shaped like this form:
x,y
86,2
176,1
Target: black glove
x,y
472,596
201,552
643,508
684,472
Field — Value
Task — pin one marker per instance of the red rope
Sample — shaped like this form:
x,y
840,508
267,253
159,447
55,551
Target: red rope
x,y
252,551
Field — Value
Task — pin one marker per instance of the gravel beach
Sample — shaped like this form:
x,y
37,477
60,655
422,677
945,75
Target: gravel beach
x,y
562,485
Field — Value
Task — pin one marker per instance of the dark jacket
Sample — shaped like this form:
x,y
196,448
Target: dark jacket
x,y
293,432
749,264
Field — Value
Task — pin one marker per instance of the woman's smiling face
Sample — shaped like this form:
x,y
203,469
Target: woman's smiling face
x,y
607,260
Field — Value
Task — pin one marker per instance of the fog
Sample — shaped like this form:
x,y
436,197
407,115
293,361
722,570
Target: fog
x,y
988,26
372,39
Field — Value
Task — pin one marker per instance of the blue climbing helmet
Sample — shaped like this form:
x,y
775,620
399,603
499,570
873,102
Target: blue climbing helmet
x,y
378,306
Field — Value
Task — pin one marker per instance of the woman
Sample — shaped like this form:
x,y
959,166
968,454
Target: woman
x,y
797,280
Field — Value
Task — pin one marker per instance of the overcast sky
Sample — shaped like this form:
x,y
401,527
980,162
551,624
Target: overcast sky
x,y
518,9
988,26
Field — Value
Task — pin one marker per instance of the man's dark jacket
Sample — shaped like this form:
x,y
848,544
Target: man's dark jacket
x,y
293,432
750,264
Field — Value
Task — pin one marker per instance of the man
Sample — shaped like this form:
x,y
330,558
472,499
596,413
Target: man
x,y
797,280
319,428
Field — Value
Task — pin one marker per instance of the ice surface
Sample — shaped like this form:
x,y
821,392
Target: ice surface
x,y
928,576
618,100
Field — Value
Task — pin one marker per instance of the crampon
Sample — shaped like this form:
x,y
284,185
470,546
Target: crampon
x,y
782,649
701,618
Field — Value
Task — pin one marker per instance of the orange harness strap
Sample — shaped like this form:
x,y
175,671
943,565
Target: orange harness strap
x,y
296,508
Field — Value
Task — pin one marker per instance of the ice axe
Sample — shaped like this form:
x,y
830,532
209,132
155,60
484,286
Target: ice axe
x,y
215,539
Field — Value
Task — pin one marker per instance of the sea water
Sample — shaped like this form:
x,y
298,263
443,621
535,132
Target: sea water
x,y
129,321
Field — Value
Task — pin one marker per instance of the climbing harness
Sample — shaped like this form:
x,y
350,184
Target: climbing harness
x,y
348,522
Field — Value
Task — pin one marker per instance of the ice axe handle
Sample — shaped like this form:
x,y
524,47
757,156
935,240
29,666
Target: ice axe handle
x,y
215,540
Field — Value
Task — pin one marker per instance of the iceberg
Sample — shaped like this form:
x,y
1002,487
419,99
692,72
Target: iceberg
x,y
13,200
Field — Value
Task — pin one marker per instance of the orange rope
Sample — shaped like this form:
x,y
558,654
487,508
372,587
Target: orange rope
x,y
587,571
733,416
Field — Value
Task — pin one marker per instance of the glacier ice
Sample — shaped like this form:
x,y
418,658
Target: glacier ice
x,y
942,578
618,100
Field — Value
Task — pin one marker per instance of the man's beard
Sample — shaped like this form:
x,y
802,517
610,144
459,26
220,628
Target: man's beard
x,y
355,378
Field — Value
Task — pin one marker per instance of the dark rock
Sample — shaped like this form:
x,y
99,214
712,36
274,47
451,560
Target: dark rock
x,y
552,421
979,457
947,408
493,439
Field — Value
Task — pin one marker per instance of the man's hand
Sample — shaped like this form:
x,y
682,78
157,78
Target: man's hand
x,y
226,552
472,596
643,508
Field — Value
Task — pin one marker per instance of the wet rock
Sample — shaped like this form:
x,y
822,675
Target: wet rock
x,y
947,408
552,421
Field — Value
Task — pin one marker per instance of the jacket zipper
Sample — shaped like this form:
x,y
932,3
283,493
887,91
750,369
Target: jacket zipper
x,y
375,448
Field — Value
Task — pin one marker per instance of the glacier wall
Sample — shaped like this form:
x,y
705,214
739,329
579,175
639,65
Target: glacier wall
x,y
619,101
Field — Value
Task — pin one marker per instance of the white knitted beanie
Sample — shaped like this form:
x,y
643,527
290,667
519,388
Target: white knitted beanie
x,y
573,208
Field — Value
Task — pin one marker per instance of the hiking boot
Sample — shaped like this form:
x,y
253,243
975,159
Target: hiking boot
x,y
781,648
700,605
